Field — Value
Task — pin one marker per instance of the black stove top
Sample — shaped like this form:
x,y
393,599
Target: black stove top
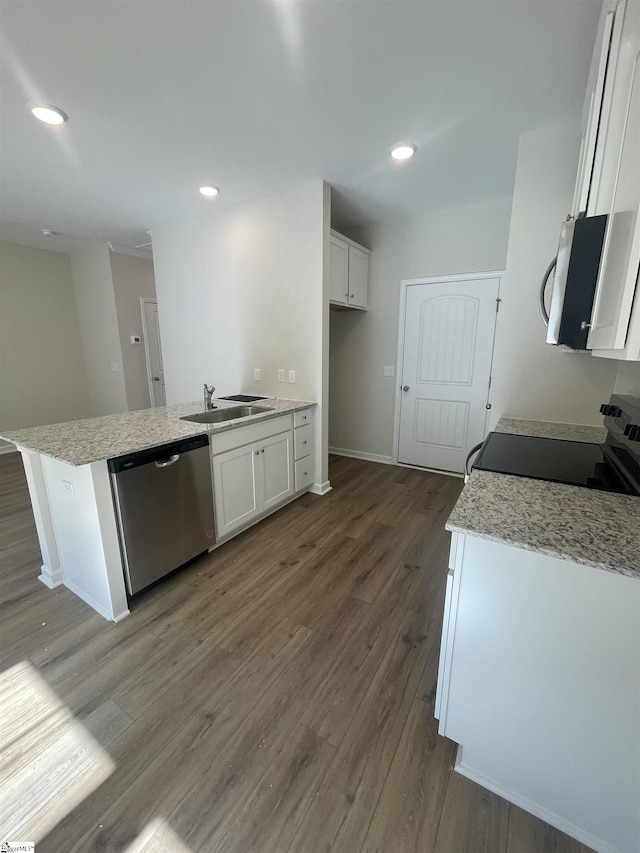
x,y
577,463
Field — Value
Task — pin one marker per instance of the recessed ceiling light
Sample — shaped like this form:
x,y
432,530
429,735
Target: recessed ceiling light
x,y
49,114
209,192
47,232
403,150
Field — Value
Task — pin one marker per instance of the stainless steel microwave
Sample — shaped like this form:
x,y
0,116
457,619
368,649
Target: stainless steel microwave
x,y
576,266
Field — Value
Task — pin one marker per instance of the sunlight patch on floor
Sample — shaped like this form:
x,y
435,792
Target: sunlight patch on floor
x,y
157,837
49,762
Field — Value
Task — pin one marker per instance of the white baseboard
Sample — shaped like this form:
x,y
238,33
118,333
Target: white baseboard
x,y
367,457
320,488
533,808
51,577
8,448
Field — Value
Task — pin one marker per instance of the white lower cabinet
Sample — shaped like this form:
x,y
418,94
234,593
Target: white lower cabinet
x,y
275,470
250,480
539,684
235,488
258,467
303,449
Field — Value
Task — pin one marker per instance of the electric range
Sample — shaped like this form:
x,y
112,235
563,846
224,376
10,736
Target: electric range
x,y
612,466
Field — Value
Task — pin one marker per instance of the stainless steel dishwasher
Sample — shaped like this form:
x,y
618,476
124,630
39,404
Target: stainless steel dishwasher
x,y
164,508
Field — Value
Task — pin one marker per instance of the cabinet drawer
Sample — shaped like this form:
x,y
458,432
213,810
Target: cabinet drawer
x,y
239,436
303,441
304,473
302,418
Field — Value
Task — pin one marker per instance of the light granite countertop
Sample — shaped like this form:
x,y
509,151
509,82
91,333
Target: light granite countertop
x,y
93,439
548,429
587,526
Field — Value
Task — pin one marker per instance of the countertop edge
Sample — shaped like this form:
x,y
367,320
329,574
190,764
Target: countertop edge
x,y
547,552
174,428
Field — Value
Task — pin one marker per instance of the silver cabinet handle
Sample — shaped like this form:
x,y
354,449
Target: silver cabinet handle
x,y
164,463
405,388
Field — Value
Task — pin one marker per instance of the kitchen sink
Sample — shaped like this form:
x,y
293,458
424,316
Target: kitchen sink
x,y
243,398
218,416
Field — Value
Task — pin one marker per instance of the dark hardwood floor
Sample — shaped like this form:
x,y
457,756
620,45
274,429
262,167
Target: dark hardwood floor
x,y
275,696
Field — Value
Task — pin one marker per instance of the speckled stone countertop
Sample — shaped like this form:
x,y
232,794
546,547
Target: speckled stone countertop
x,y
587,526
92,439
547,429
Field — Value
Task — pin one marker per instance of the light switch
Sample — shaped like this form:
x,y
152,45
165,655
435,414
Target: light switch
x,y
280,375
389,370
256,374
68,487
292,376
135,339
115,367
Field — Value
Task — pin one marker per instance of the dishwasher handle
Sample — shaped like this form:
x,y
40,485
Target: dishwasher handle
x,y
164,463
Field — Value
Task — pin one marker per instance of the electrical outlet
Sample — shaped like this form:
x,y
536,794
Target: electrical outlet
x,y
389,370
280,375
68,487
256,374
292,376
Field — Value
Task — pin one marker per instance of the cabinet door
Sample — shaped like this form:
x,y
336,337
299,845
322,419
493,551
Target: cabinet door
x,y
234,486
590,164
276,470
621,253
339,271
358,277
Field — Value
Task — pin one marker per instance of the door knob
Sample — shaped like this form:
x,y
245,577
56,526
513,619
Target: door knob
x,y
405,387
156,379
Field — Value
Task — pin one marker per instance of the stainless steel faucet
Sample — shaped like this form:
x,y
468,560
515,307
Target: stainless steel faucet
x,y
208,393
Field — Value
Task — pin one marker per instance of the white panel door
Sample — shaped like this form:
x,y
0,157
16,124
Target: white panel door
x,y
448,347
153,351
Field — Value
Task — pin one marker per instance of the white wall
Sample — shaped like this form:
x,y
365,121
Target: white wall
x,y
628,378
530,378
361,399
132,279
93,288
244,289
42,371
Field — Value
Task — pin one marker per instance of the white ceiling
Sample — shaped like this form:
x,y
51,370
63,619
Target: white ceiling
x,y
258,96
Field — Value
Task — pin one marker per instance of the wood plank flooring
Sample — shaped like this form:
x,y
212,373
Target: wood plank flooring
x,y
275,696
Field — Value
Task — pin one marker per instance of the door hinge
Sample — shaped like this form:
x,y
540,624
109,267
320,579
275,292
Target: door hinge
x,y
498,301
490,378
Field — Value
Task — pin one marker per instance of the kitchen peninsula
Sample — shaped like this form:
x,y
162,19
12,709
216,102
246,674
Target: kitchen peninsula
x,y
70,488
539,677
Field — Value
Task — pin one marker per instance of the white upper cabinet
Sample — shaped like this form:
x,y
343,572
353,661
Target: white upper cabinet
x,y
339,287
349,273
609,180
